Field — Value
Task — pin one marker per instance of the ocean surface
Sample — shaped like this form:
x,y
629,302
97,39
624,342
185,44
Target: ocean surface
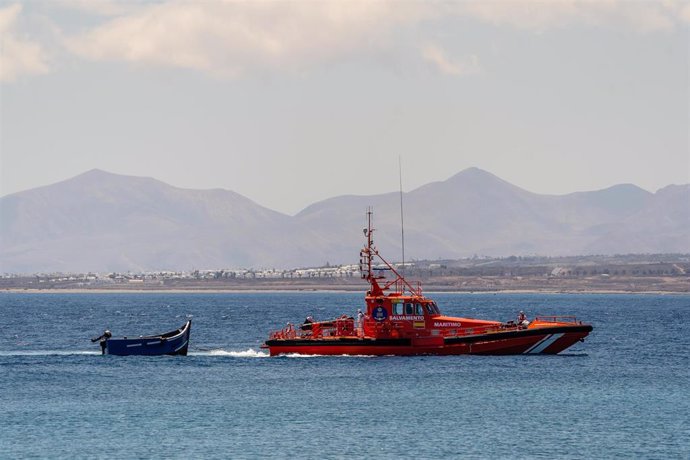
x,y
624,392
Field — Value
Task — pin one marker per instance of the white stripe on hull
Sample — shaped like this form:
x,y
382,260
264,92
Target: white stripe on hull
x,y
181,346
544,343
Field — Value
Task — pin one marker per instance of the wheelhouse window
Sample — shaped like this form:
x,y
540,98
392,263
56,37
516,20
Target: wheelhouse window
x,y
419,310
409,309
398,308
432,308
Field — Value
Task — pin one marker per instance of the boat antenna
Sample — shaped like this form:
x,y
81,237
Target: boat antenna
x,y
366,257
402,222
370,241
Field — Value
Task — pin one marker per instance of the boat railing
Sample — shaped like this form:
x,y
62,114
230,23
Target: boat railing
x,y
478,330
346,327
374,328
343,326
288,332
558,319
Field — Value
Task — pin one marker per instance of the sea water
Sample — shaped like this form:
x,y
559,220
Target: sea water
x,y
624,392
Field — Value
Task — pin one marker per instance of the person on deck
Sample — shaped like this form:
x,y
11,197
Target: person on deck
x,y
522,319
360,322
307,324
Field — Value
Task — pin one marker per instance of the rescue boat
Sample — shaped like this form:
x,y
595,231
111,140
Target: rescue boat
x,y
400,320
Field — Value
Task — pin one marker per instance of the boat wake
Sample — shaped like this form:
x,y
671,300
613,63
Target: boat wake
x,y
48,353
298,355
250,353
235,354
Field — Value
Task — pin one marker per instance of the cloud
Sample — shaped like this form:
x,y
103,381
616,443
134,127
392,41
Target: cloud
x,y
101,7
544,15
18,55
448,66
685,13
232,38
229,38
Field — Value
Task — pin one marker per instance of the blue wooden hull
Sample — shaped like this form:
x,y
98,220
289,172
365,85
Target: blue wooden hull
x,y
171,343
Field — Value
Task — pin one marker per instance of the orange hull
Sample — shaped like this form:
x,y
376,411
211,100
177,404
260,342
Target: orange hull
x,y
404,322
542,340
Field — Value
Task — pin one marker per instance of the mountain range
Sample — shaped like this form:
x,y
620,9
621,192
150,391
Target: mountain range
x,y
100,221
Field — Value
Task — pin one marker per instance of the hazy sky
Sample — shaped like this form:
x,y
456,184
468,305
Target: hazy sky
x,y
289,103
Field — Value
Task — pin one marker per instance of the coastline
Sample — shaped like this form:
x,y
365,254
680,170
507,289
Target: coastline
x,y
486,284
331,290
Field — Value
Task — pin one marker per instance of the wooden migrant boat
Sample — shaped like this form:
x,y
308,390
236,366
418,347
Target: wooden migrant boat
x,y
171,343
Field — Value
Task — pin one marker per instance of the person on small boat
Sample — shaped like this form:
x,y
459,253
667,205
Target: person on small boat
x,y
102,339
